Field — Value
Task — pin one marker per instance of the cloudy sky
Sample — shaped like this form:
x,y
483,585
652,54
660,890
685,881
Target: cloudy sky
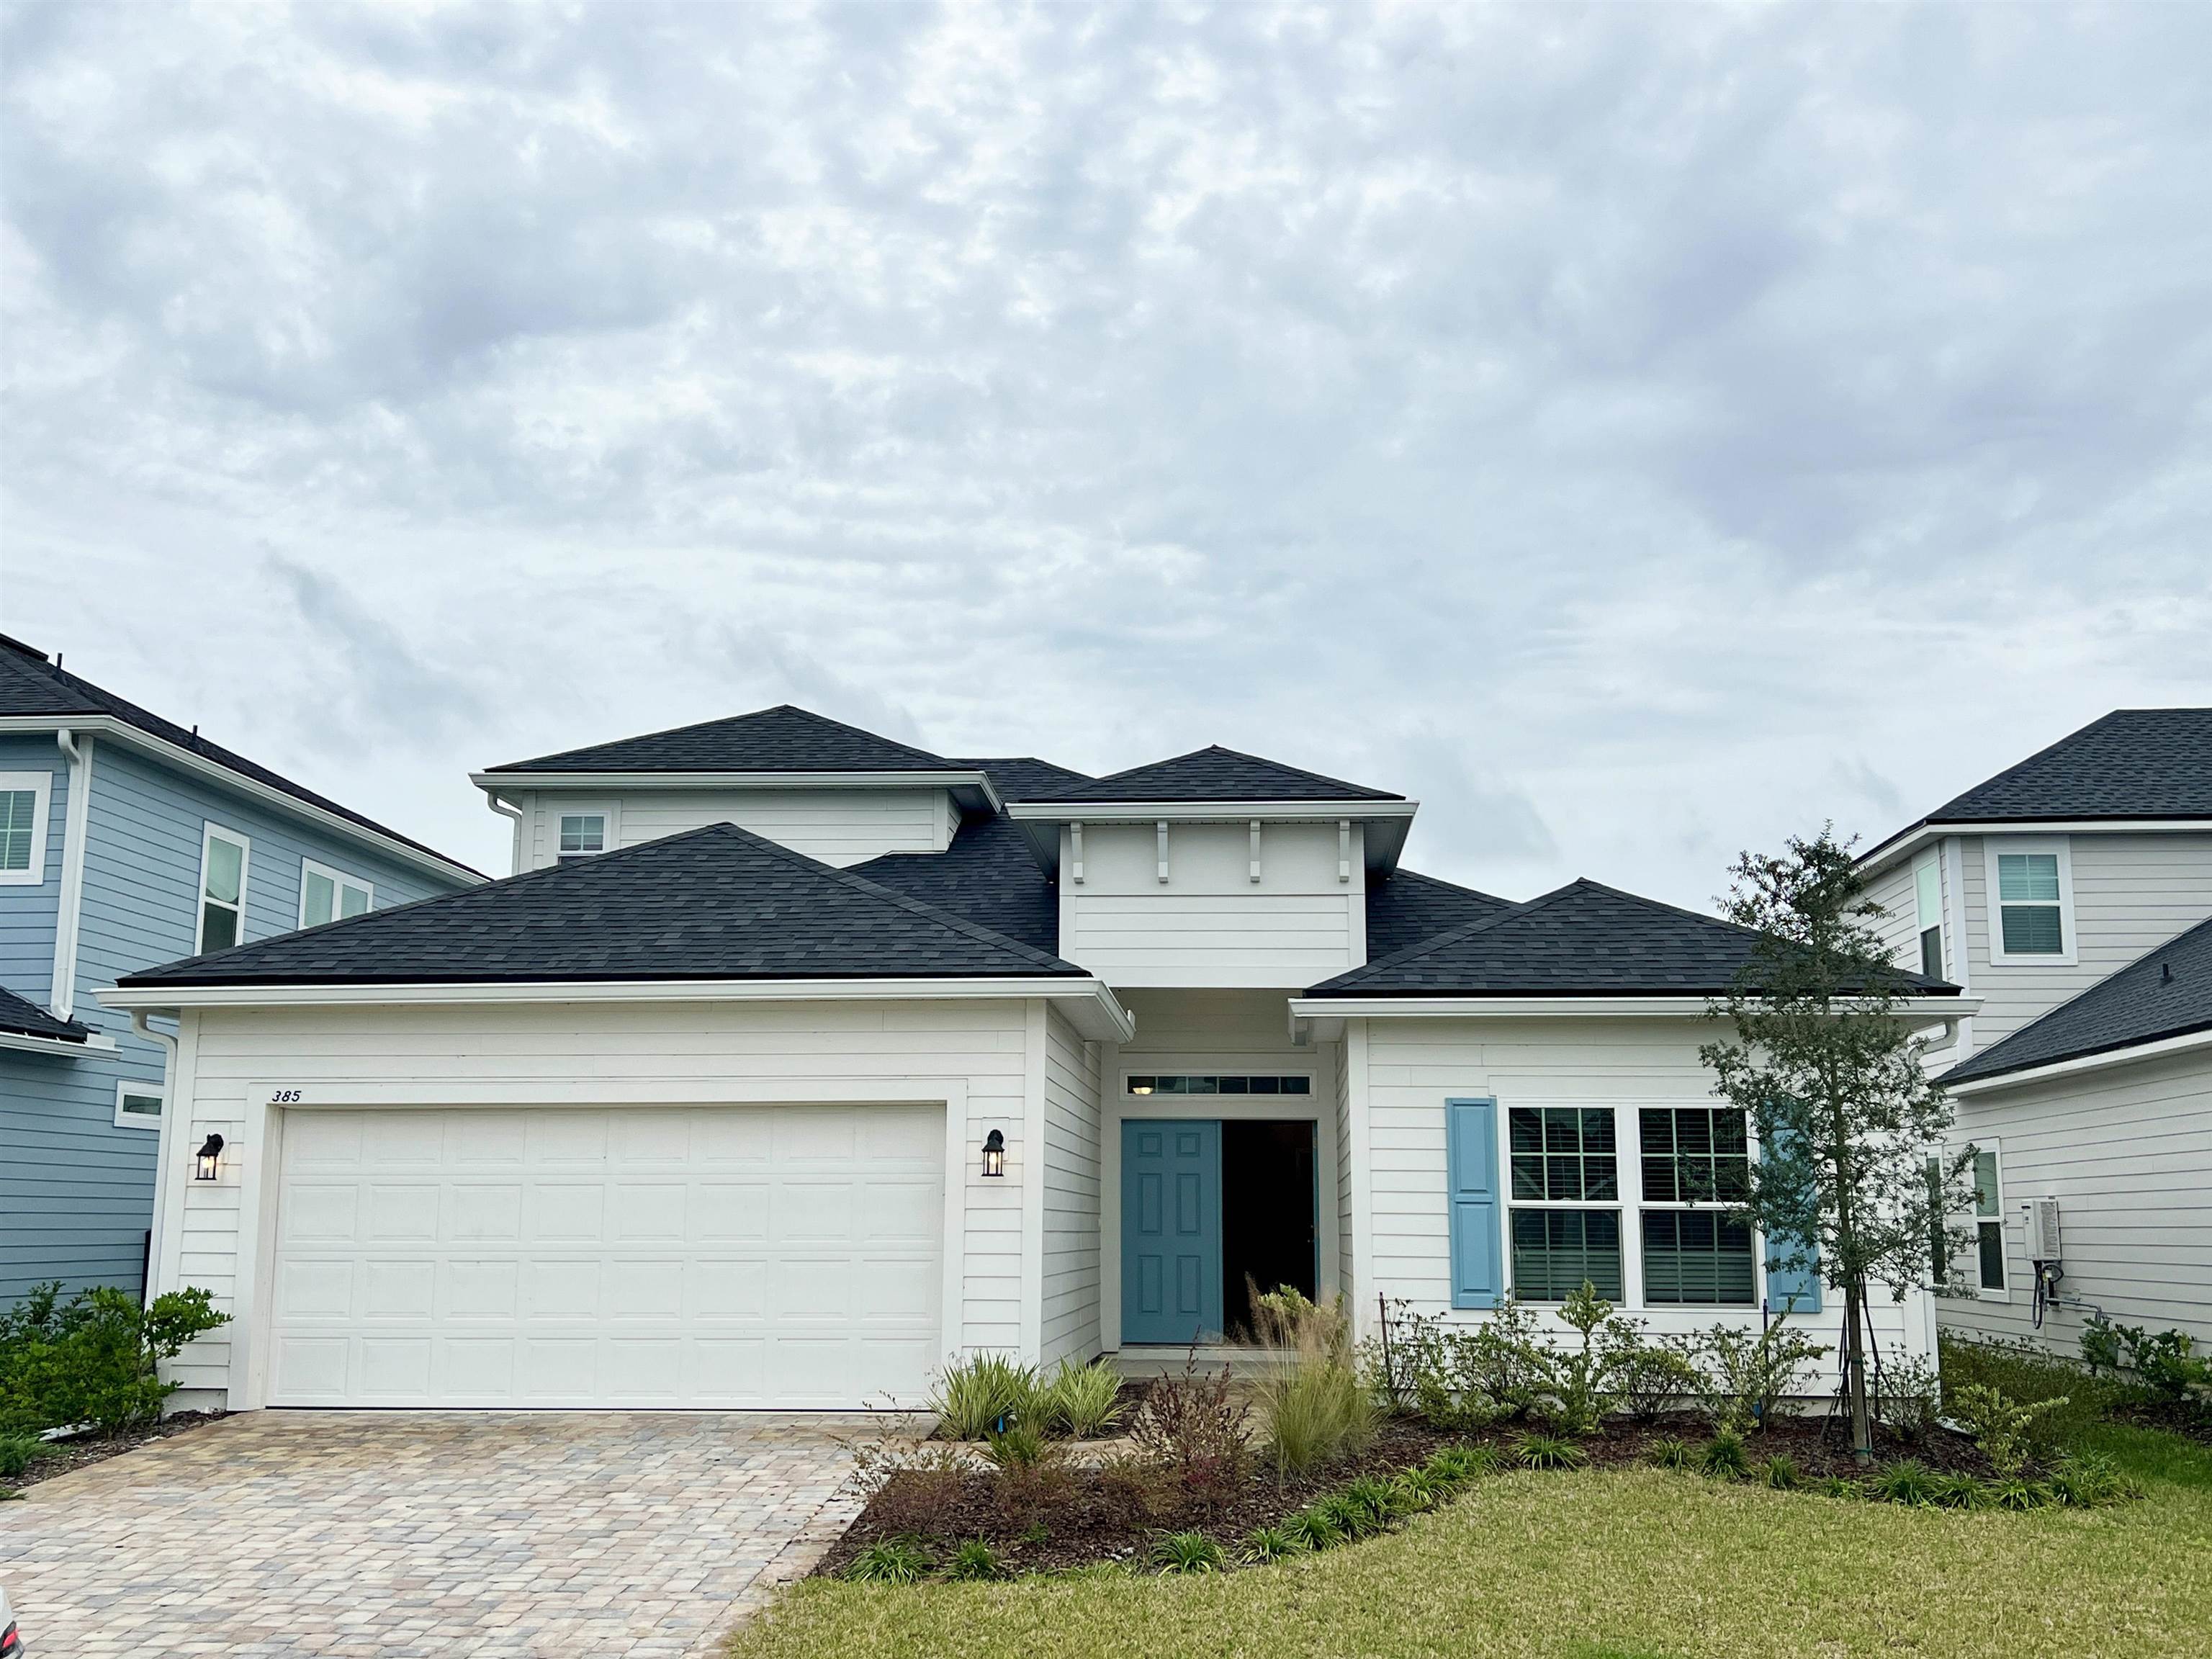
x,y
1637,433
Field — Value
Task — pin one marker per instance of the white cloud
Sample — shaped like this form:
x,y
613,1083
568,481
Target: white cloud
x,y
1638,434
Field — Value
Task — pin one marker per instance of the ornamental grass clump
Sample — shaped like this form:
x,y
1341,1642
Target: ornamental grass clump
x,y
1187,1553
1670,1452
1547,1451
986,1393
1781,1472
890,1561
1958,1492
2088,1480
1082,1401
1313,1529
1264,1546
17,1453
1723,1457
1314,1406
975,1561
1908,1481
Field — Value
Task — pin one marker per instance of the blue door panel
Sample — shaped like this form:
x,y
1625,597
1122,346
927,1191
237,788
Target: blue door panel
x,y
1171,1289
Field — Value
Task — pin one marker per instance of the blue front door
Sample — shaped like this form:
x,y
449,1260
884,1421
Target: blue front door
x,y
1171,1231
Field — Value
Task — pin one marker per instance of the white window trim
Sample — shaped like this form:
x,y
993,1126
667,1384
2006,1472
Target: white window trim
x,y
1627,1182
1632,1161
1931,861
556,809
1975,1221
41,785
137,1119
209,831
336,879
1992,845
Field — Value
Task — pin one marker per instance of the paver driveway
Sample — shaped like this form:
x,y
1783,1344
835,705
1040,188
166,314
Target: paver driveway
x,y
334,1534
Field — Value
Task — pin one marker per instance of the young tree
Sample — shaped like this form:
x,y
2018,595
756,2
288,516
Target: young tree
x,y
1827,1067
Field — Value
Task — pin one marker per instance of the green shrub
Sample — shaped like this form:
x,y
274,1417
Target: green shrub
x,y
1021,1447
1652,1378
1743,1375
1467,1463
1351,1517
2017,1491
1837,1485
1723,1457
2022,1371
1781,1471
976,1396
2087,1480
1192,1425
1185,1552
2000,1426
1461,1377
1083,1399
1670,1452
1908,1397
1312,1400
1908,1481
1422,1488
975,1560
18,1452
890,1561
94,1360
2165,1362
1545,1451
1313,1528
1959,1491
1380,1496
1263,1544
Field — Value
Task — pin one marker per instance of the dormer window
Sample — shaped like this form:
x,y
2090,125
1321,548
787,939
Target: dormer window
x,y
582,835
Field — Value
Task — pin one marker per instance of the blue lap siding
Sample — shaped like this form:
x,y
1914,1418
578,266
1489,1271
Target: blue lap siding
x,y
75,1190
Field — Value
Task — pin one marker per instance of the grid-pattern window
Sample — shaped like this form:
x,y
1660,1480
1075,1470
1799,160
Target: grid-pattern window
x,y
1217,1083
1555,1250
2028,904
583,834
1928,909
1989,1221
1699,1257
19,809
1563,1154
1693,1154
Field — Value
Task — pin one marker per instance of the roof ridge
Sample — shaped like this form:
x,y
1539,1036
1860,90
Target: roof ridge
x,y
1465,930
936,761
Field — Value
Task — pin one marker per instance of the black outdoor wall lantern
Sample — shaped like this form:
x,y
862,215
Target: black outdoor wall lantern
x,y
994,1153
208,1158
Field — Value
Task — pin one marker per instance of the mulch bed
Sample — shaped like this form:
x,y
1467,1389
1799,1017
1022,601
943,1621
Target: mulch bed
x,y
62,1456
2173,1416
1085,1517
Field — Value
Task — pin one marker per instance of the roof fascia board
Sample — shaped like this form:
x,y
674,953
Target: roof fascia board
x,y
1110,1022
1932,1009
2128,1054
1387,821
66,1047
1909,841
976,783
121,731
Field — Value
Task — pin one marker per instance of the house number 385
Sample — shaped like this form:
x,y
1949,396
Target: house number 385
x,y
287,1097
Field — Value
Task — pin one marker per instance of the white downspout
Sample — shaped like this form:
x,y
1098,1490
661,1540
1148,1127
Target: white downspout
x,y
506,810
71,906
170,1106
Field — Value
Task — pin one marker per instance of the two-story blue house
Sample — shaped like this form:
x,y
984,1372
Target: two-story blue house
x,y
126,841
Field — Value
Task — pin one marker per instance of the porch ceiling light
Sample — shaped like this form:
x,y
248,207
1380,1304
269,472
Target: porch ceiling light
x,y
208,1158
994,1153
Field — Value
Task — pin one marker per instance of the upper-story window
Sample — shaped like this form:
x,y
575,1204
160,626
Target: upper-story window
x,y
582,834
1927,909
222,891
328,895
23,797
2033,882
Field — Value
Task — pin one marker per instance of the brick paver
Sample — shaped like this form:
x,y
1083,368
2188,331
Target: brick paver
x,y
278,1534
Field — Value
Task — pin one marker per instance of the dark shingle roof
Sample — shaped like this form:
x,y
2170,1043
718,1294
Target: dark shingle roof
x,y
719,903
1582,940
1215,774
780,739
2165,994
1404,907
1025,777
988,875
29,684
28,1019
2133,763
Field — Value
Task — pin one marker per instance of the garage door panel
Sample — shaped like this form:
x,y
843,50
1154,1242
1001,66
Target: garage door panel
x,y
710,1256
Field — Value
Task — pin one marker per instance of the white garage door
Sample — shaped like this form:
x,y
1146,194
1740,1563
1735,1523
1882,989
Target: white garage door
x,y
708,1256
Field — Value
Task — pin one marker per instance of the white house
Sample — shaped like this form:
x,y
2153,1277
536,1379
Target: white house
x,y
792,1060
2069,894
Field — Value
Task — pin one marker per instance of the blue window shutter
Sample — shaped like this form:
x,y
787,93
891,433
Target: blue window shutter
x,y
1791,1290
1471,1152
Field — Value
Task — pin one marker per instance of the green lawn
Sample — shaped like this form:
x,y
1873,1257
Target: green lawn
x,y
1626,1562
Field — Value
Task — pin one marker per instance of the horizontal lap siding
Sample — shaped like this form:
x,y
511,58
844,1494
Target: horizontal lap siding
x,y
2131,894
837,826
27,912
1072,1131
1415,1065
648,1054
1346,1282
2128,1153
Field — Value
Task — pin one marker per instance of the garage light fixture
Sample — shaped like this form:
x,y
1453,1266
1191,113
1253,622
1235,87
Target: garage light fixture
x,y
994,1153
208,1158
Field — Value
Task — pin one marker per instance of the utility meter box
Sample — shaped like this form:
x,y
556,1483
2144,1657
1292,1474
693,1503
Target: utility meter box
x,y
2042,1217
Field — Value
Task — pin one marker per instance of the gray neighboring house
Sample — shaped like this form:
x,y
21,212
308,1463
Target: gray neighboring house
x,y
2070,895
